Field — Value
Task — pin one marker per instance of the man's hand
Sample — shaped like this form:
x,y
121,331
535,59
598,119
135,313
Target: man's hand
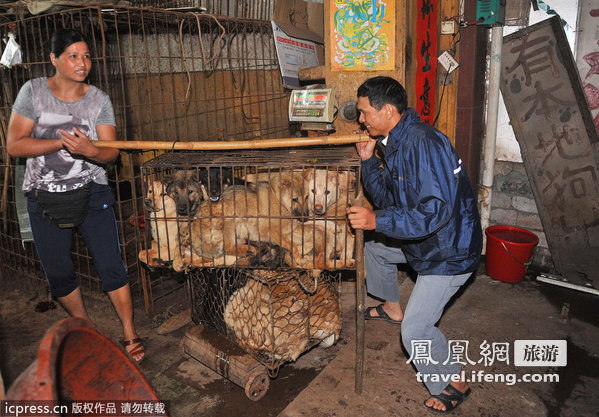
x,y
361,218
365,149
78,144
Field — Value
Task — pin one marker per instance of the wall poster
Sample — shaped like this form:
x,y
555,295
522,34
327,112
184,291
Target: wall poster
x,y
362,35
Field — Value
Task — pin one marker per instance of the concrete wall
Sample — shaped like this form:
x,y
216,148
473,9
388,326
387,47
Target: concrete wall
x,y
514,205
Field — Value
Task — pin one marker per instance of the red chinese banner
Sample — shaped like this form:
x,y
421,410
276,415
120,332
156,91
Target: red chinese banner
x,y
426,59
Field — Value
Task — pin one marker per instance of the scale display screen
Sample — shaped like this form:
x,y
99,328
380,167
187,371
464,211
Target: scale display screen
x,y
312,105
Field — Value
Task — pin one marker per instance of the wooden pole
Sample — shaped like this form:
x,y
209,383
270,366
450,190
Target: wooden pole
x,y
241,144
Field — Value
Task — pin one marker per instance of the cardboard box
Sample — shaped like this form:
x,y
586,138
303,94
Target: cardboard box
x,y
298,28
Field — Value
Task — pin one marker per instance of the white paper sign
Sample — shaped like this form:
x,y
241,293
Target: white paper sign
x,y
293,53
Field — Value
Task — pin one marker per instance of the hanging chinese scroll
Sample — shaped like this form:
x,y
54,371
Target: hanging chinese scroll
x,y
552,122
362,35
426,59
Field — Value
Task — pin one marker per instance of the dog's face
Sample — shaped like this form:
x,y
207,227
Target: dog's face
x,y
291,191
326,187
215,180
289,188
322,190
156,198
185,189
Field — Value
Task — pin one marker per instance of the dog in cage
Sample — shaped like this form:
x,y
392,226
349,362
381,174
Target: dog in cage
x,y
288,186
191,187
279,318
312,244
261,212
330,193
215,179
163,223
186,191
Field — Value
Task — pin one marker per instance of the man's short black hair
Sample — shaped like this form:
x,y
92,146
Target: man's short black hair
x,y
384,90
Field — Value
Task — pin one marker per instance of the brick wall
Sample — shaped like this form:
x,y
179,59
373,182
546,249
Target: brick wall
x,y
513,204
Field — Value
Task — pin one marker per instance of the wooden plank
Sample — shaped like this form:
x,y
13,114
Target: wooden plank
x,y
553,125
447,100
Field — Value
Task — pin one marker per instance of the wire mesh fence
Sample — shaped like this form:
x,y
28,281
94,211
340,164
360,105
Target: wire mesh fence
x,y
171,76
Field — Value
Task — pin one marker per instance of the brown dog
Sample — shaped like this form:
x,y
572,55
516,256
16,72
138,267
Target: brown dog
x,y
279,319
185,189
287,186
261,212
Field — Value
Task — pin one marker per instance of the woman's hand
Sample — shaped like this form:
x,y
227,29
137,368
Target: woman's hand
x,y
78,144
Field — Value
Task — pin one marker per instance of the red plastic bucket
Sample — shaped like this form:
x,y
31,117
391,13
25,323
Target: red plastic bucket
x,y
77,362
509,251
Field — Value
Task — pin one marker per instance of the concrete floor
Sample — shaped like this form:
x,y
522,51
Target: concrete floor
x,y
321,382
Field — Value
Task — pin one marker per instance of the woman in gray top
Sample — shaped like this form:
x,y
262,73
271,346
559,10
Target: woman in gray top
x,y
53,124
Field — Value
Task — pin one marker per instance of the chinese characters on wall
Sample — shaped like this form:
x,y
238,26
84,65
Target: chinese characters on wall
x,y
426,59
554,129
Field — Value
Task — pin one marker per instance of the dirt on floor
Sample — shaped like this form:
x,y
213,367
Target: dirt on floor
x,y
487,313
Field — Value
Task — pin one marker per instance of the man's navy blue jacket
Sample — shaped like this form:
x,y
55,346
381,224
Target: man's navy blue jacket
x,y
423,197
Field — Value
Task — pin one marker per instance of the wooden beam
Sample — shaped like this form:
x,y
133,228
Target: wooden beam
x,y
312,73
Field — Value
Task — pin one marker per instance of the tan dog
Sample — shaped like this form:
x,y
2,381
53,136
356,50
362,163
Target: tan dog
x,y
330,193
287,186
261,212
164,225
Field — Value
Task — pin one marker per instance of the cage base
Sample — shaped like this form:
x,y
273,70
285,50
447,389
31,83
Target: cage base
x,y
225,358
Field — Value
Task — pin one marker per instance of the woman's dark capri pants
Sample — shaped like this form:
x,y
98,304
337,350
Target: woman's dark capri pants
x,y
99,230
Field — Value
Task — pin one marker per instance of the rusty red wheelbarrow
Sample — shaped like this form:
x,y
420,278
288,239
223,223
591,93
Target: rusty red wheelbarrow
x,y
76,362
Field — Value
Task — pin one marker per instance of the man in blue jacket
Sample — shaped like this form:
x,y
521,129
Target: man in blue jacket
x,y
426,211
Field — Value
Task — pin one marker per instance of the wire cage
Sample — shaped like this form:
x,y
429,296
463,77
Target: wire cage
x,y
260,10
283,209
274,315
171,76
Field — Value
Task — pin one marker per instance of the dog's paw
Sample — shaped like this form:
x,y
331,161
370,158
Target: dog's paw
x,y
179,264
149,257
350,262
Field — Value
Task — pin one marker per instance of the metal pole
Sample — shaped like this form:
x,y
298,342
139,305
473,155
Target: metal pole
x,y
491,127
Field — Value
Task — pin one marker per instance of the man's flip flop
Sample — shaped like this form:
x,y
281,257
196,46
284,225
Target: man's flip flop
x,y
382,315
448,399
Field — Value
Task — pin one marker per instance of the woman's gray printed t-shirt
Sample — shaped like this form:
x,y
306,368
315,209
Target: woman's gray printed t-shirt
x,y
60,171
